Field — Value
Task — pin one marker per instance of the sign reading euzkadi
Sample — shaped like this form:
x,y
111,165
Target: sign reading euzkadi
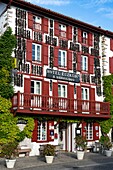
x,y
62,75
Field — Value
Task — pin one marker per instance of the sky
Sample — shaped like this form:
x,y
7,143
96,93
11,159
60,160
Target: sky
x,y
94,12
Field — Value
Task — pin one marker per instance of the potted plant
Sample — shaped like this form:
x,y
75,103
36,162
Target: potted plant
x,y
9,151
81,145
106,145
49,152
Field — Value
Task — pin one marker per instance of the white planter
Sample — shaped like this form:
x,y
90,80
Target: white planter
x,y
108,153
10,163
80,155
49,159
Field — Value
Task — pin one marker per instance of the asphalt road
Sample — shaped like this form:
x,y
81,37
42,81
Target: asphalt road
x,y
72,166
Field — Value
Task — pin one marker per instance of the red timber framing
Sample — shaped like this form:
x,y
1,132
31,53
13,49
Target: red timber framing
x,y
49,105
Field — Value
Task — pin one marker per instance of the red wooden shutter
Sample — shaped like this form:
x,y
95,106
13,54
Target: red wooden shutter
x,y
69,60
84,129
111,65
71,97
79,35
29,50
92,99
45,54
90,64
78,92
55,89
79,104
56,57
45,88
95,131
34,134
50,131
30,20
90,39
45,25
111,44
27,85
56,28
92,94
78,62
55,96
27,92
45,93
69,33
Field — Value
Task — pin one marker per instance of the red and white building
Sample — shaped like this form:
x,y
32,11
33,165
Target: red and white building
x,y
59,64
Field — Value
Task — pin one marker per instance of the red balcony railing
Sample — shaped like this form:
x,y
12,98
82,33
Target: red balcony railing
x,y
39,104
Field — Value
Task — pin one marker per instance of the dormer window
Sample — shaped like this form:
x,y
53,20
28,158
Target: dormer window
x,y
62,29
84,37
37,21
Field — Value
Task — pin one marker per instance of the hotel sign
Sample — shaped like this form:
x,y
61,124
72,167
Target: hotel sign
x,y
61,75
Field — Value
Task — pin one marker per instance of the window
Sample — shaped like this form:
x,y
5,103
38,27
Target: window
x,y
36,52
84,37
37,22
62,29
85,93
36,87
84,63
62,90
62,58
42,131
89,131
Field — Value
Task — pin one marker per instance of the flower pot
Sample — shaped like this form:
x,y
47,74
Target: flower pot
x,y
80,155
108,153
49,159
10,163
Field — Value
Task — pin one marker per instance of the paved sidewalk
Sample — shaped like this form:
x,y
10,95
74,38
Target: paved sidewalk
x,y
62,158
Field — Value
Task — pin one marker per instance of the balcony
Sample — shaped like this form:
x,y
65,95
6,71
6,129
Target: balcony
x,y
58,106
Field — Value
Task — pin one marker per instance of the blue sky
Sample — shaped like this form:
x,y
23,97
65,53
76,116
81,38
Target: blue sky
x,y
94,12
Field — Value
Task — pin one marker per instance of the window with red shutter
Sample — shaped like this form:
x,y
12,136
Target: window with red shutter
x,y
89,131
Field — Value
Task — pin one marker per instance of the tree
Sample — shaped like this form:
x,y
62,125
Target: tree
x,y
7,44
9,131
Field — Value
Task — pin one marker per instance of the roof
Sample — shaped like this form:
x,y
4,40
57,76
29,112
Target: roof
x,y
57,16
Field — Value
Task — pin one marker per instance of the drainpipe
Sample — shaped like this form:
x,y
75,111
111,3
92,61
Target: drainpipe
x,y
8,6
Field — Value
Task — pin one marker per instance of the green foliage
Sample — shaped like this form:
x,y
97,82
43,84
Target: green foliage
x,y
49,150
106,125
9,150
7,44
81,142
105,141
5,105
